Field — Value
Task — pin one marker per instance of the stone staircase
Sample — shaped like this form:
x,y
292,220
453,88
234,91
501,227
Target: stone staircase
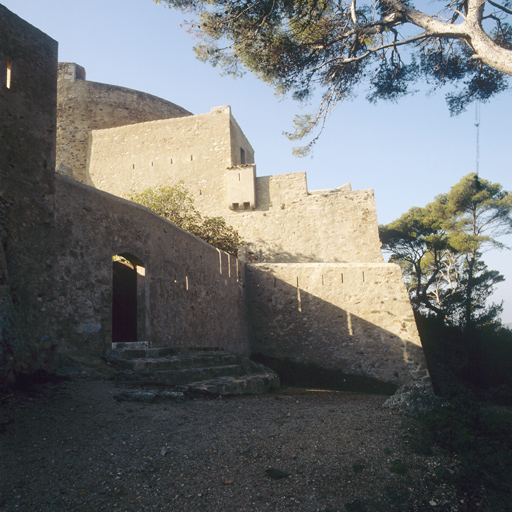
x,y
194,370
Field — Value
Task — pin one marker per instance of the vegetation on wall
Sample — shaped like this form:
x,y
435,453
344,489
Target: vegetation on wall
x,y
381,46
175,204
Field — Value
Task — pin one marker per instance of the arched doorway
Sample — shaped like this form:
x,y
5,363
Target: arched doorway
x,y
128,298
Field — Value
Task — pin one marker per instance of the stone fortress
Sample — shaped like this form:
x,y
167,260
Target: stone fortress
x,y
311,287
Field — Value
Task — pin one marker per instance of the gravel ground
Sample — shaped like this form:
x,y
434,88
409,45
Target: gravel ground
x,y
72,447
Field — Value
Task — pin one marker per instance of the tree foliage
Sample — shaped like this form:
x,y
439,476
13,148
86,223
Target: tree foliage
x,y
382,46
440,248
175,204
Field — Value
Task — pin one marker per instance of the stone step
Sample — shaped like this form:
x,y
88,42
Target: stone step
x,y
135,345
202,370
172,362
180,377
257,384
149,352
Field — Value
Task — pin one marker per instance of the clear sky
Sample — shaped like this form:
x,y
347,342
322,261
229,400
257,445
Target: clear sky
x,y
406,152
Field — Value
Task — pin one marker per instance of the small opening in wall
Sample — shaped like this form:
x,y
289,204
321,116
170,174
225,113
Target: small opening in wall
x,y
133,166
242,156
186,283
275,282
238,176
342,278
191,157
322,280
151,164
9,71
247,206
200,192
363,277
171,161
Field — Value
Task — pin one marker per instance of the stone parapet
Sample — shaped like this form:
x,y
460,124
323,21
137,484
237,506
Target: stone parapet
x,y
355,318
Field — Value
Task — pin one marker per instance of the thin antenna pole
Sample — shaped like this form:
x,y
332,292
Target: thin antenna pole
x,y
477,124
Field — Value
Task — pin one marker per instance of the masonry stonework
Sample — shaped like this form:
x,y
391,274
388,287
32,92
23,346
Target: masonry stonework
x,y
28,87
351,317
59,238
311,285
83,106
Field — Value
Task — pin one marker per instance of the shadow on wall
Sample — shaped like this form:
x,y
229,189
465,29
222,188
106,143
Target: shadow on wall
x,y
261,251
303,335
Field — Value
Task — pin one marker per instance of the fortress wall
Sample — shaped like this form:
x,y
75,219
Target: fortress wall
x,y
242,152
292,225
192,293
84,106
355,318
288,223
196,150
28,81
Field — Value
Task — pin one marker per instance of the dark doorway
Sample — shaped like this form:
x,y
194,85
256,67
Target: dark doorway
x,y
127,300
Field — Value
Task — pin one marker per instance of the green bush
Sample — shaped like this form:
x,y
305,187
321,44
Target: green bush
x,y
175,205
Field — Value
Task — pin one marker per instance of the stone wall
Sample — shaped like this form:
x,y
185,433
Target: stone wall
x,y
193,293
196,150
291,224
28,88
58,238
84,106
353,318
288,223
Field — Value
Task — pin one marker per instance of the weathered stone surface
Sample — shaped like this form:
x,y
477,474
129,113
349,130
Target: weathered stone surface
x,y
353,317
83,106
204,371
28,86
324,296
193,293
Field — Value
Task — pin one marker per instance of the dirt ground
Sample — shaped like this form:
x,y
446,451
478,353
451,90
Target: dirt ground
x,y
72,446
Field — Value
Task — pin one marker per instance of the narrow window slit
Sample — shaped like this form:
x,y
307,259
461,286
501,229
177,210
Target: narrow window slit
x,y
9,71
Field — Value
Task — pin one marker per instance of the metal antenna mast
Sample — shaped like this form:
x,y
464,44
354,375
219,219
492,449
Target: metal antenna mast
x,y
477,124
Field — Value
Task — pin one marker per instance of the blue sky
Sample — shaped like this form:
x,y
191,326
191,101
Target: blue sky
x,y
406,152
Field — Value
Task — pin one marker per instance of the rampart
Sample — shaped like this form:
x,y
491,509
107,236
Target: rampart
x,y
189,294
314,289
57,274
350,317
280,219
28,91
83,106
